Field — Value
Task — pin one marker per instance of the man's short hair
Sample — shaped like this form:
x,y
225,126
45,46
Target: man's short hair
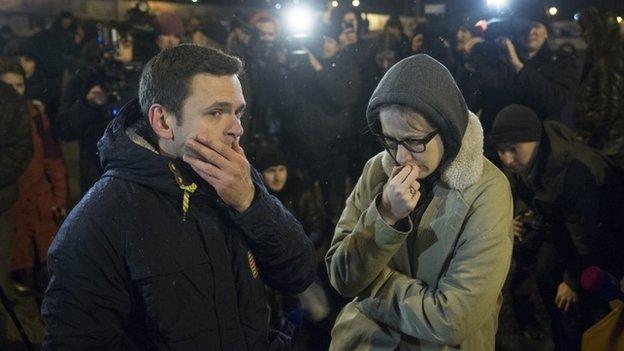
x,y
10,65
166,78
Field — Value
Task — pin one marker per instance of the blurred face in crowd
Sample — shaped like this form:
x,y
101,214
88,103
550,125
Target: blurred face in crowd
x,y
28,65
199,38
275,177
349,20
396,31
517,156
125,50
404,124
15,80
463,35
385,60
536,37
330,47
212,110
417,43
167,41
66,22
268,31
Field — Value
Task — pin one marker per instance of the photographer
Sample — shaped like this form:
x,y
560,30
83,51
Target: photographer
x,y
321,95
263,69
94,95
576,200
513,64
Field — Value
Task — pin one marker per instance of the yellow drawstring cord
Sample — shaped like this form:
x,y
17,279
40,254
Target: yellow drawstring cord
x,y
187,190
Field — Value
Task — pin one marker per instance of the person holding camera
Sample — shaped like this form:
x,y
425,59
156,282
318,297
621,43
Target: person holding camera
x,y
576,200
320,95
94,95
513,64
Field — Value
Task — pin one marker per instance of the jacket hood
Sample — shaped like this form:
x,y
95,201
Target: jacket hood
x,y
467,166
425,85
125,154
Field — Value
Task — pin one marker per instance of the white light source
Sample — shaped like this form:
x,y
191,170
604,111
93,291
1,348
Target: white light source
x,y
278,6
619,19
552,11
497,3
355,3
194,0
299,19
334,3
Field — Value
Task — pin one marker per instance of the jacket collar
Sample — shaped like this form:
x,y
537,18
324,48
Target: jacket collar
x,y
466,168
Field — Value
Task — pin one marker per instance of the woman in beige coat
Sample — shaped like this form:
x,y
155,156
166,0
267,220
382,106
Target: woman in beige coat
x,y
424,243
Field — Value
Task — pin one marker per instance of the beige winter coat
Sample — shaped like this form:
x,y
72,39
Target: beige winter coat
x,y
446,297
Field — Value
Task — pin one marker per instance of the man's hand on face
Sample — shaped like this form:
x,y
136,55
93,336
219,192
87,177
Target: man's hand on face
x,y
518,228
225,168
400,195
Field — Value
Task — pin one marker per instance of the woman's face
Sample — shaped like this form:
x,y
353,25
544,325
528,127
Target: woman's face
x,y
417,43
402,124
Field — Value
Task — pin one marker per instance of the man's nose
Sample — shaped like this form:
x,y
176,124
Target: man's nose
x,y
236,129
506,158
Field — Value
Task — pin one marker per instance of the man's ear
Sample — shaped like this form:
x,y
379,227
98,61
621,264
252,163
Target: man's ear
x,y
160,121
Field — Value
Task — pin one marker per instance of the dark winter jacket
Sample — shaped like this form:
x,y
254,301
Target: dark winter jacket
x,y
321,107
16,147
575,192
599,105
543,84
131,270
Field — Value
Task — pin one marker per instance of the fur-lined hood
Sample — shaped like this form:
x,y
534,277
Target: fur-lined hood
x,y
466,168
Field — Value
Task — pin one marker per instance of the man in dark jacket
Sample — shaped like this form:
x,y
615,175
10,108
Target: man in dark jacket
x,y
526,72
172,247
15,152
575,198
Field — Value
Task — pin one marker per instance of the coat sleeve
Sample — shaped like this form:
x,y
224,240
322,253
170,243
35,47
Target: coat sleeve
x,y
73,121
363,243
15,144
581,199
550,93
466,295
278,242
54,165
87,299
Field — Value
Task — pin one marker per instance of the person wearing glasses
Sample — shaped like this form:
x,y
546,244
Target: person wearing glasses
x,y
424,243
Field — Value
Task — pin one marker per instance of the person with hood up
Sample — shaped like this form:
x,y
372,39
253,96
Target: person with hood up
x,y
424,243
172,247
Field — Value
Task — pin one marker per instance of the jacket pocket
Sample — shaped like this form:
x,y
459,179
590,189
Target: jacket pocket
x,y
178,303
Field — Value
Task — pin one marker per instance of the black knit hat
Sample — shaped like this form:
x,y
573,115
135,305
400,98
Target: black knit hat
x,y
515,124
268,157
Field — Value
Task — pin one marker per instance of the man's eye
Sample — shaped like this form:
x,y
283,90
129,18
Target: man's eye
x,y
216,113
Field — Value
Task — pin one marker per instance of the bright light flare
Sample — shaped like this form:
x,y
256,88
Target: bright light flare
x,y
299,19
619,19
334,3
497,3
355,3
553,11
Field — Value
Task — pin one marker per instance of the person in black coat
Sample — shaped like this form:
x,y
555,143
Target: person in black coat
x,y
568,203
172,247
321,95
522,70
94,94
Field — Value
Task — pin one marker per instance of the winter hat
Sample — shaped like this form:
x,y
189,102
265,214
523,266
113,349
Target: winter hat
x,y
168,23
424,84
21,47
515,124
268,157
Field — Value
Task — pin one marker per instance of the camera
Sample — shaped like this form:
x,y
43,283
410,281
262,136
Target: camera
x,y
514,29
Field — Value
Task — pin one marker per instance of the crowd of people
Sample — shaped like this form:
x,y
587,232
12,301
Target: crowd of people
x,y
323,120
